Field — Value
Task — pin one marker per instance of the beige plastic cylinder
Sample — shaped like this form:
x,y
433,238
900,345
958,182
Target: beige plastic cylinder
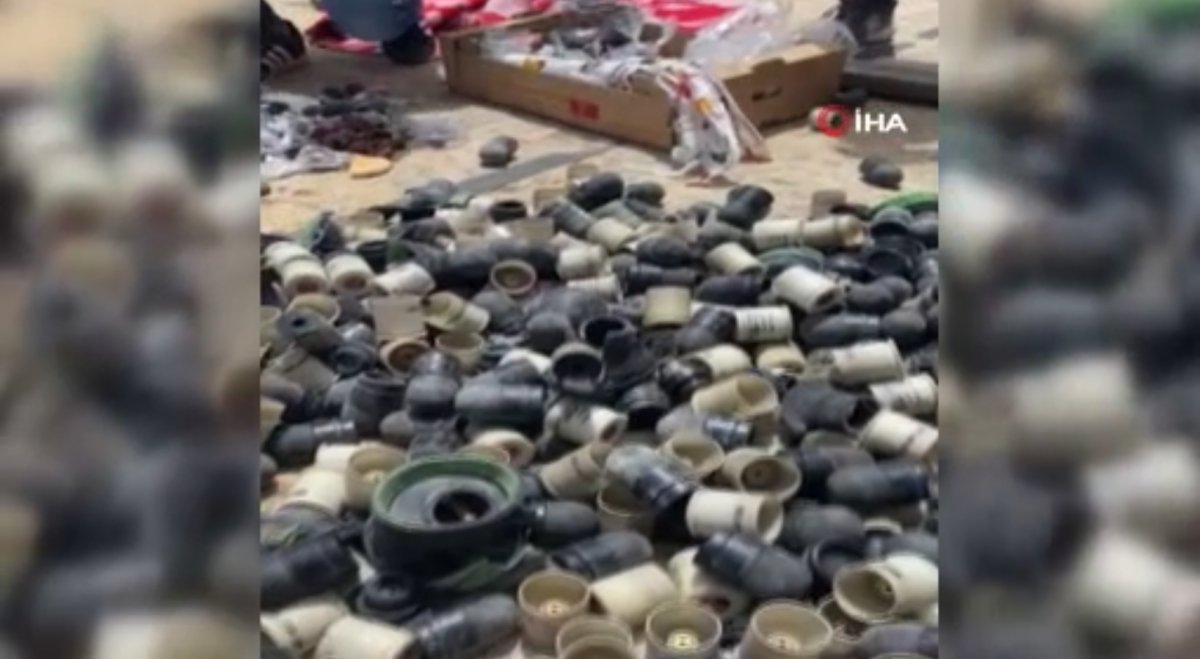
x,y
900,585
322,489
514,278
581,262
723,360
406,279
280,253
467,348
783,357
763,324
667,306
300,627
599,648
618,510
894,433
732,259
1080,410
608,286
823,202
865,363
743,396
835,231
773,234
350,274
610,233
400,354
588,627
682,630
757,471
583,423
450,313
270,412
366,469
296,365
303,276
334,457
631,595
785,630
915,394
548,600
20,531
490,453
806,288
353,637
539,361
846,630
712,511
519,449
576,475
700,455
327,306
696,586
1155,489
1130,589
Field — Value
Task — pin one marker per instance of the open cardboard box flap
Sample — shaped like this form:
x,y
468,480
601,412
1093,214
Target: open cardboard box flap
x,y
772,90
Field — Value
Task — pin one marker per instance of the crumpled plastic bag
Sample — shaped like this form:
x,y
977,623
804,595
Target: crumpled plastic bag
x,y
757,28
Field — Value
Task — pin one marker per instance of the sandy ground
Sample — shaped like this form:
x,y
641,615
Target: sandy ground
x,y
803,161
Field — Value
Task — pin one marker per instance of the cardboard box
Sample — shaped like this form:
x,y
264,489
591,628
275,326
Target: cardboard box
x,y
773,90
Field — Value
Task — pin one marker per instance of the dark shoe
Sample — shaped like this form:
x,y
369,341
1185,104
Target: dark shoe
x,y
871,23
281,46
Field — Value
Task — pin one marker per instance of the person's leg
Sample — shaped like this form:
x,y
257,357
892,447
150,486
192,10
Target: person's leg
x,y
871,23
281,45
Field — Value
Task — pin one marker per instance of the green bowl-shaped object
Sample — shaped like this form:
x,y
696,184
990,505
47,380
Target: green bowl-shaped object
x,y
435,514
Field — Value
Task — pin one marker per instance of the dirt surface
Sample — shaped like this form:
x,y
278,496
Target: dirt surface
x,y
802,160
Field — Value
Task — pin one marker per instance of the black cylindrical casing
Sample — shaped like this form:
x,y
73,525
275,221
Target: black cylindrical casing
x,y
839,330
502,403
557,524
431,397
307,569
762,571
352,358
666,252
507,210
680,378
730,433
375,394
869,487
731,290
435,362
468,630
644,404
649,192
605,554
898,638
827,557
389,599
745,205
374,252
650,476
309,330
818,405
816,465
598,190
809,524
296,445
639,277
548,330
568,218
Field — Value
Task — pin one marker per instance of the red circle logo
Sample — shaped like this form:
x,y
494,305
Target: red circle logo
x,y
834,120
